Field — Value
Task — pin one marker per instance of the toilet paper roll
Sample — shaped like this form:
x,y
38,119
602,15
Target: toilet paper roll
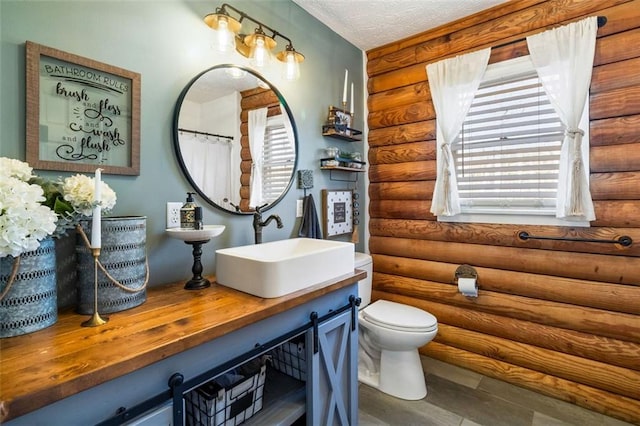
x,y
468,287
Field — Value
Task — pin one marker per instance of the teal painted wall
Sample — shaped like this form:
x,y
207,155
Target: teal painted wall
x,y
168,44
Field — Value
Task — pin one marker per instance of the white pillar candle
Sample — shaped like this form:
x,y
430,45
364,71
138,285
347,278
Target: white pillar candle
x,y
96,226
344,91
351,99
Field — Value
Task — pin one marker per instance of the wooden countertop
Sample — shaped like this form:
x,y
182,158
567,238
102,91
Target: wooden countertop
x,y
43,367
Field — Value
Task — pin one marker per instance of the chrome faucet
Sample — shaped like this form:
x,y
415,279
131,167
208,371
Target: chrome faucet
x,y
258,223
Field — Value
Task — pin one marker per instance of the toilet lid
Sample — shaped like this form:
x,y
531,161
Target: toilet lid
x,y
401,317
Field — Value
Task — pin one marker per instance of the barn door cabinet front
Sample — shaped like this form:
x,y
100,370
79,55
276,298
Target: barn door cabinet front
x,y
332,386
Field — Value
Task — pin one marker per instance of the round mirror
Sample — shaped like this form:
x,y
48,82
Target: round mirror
x,y
235,139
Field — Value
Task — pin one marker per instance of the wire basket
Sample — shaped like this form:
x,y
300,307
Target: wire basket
x,y
213,404
290,358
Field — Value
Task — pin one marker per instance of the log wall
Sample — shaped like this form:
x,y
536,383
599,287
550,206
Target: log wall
x,y
559,318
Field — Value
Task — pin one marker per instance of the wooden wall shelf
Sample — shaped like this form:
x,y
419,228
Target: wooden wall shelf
x,y
340,132
343,168
329,163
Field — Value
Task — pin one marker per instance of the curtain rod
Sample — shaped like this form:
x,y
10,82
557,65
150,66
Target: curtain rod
x,y
602,21
205,133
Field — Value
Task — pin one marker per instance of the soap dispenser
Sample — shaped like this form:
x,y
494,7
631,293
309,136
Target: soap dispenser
x,y
188,213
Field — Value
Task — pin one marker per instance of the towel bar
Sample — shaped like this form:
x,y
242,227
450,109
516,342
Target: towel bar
x,y
623,240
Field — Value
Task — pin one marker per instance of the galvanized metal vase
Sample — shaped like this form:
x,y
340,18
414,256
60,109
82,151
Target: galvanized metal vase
x,y
30,304
123,254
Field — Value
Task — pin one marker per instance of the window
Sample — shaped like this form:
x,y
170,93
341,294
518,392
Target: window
x,y
507,155
278,159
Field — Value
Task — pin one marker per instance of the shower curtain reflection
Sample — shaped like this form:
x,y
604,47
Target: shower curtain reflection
x,y
200,152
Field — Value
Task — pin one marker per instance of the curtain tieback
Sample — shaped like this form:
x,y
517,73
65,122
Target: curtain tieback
x,y
576,136
573,133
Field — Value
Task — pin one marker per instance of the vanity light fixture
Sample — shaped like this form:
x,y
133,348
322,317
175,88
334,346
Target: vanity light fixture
x,y
257,46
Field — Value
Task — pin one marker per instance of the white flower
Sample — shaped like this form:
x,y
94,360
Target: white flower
x,y
32,208
15,168
24,221
79,190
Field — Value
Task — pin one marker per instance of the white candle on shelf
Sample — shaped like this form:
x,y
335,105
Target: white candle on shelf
x,y
96,230
351,99
344,91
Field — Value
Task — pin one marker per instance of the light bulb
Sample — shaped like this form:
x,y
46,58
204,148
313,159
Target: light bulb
x,y
224,39
236,72
292,68
260,54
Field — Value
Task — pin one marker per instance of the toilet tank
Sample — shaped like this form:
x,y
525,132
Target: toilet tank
x,y
364,262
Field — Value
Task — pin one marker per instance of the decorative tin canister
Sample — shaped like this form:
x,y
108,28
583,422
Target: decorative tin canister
x,y
30,303
123,256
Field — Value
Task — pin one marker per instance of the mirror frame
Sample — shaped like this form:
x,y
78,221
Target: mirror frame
x,y
176,140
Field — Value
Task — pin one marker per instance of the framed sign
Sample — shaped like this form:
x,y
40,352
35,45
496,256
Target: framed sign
x,y
81,114
337,212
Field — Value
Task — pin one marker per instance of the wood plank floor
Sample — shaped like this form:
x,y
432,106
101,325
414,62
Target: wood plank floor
x,y
459,397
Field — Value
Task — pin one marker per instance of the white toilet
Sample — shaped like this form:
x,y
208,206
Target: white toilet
x,y
389,337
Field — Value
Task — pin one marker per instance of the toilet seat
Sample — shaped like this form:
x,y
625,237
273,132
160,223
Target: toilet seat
x,y
396,316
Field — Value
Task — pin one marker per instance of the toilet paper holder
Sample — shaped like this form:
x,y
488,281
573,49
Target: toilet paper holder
x,y
467,281
466,271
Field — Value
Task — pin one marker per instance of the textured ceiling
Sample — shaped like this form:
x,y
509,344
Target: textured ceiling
x,y
372,23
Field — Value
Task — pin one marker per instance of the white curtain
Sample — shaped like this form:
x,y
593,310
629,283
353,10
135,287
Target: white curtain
x,y
234,173
453,83
563,58
257,127
208,162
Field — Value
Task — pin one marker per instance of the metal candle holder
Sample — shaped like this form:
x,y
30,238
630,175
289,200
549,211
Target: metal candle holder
x,y
95,319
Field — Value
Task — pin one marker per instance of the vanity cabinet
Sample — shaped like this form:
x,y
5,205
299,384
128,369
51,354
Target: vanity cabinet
x,y
325,389
330,395
141,364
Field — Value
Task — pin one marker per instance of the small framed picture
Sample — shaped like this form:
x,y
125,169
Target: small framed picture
x,y
337,211
341,120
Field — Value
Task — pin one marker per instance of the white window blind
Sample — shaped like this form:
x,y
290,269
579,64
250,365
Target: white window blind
x,y
507,154
278,160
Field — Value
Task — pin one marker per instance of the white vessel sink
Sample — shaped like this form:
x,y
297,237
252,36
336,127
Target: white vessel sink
x,y
204,234
278,268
